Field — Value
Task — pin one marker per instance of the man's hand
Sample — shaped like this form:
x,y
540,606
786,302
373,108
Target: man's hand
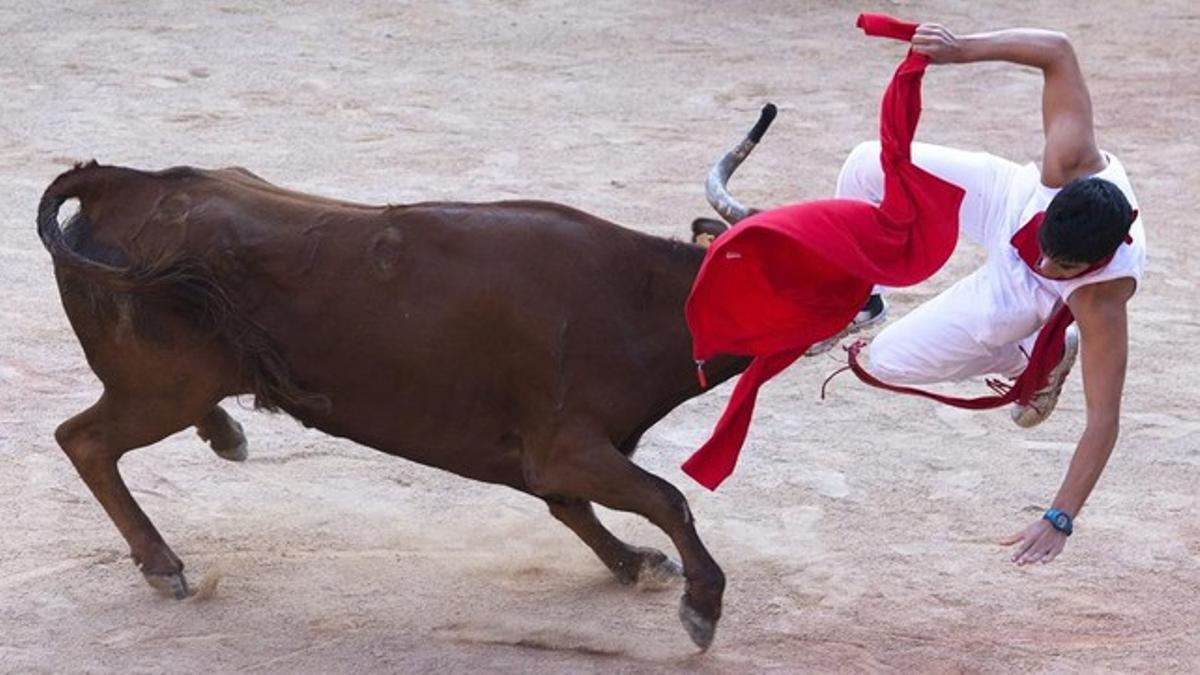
x,y
1039,542
938,43
1070,150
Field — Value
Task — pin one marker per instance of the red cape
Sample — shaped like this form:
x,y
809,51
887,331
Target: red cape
x,y
785,279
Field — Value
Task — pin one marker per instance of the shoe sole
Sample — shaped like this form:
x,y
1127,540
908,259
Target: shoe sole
x,y
1028,416
829,343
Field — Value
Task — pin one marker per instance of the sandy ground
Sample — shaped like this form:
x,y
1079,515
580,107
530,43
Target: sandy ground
x,y
857,534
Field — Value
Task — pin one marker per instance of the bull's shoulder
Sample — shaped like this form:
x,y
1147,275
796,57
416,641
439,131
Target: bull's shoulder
x,y
555,210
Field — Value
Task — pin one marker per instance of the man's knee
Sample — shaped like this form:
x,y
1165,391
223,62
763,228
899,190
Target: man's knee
x,y
888,361
861,176
866,150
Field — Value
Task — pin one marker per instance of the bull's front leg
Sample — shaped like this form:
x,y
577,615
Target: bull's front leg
x,y
648,568
585,465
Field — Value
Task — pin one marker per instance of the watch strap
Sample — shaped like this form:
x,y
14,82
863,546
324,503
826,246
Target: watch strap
x,y
1060,520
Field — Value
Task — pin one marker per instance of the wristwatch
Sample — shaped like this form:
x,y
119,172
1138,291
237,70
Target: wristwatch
x,y
1061,520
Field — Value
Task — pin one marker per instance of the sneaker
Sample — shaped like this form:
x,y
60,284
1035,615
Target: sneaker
x,y
873,312
1047,397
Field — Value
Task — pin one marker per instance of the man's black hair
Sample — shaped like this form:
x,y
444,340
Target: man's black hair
x,y
1085,222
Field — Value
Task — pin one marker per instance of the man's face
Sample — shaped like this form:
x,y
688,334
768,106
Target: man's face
x,y
1055,269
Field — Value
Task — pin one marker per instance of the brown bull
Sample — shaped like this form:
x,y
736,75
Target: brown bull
x,y
520,343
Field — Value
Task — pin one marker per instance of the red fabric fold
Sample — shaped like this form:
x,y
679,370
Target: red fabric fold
x,y
787,278
882,25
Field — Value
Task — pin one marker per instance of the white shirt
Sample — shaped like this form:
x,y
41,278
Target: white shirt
x,y
1028,196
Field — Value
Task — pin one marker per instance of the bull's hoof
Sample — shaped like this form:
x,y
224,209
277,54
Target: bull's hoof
x,y
237,453
699,627
648,569
657,571
172,585
228,441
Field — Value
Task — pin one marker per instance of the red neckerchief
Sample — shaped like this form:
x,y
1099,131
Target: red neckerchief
x,y
1030,250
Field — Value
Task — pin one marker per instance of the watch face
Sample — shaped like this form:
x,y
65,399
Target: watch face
x,y
1061,520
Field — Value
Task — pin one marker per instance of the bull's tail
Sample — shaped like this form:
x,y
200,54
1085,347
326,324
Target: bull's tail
x,y
63,188
76,184
188,282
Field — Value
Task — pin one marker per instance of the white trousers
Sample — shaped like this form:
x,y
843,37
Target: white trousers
x,y
981,324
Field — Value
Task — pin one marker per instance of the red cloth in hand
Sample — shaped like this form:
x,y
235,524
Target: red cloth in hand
x,y
882,25
785,279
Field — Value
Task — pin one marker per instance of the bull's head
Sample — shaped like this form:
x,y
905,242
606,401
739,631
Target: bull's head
x,y
716,187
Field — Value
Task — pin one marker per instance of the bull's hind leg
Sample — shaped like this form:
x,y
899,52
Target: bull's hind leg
x,y
95,439
223,434
587,466
647,567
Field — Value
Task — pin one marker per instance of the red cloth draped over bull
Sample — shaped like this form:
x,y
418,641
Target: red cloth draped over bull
x,y
785,279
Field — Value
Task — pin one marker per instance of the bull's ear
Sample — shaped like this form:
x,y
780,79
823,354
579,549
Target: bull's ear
x,y
705,230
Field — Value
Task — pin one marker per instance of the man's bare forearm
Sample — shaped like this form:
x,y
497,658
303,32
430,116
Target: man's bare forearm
x,y
1070,149
1091,455
1032,47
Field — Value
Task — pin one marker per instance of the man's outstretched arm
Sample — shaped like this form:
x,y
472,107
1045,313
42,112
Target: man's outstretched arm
x,y
1099,310
1070,151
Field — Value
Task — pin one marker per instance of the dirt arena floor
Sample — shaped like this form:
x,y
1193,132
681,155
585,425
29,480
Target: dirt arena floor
x,y
858,532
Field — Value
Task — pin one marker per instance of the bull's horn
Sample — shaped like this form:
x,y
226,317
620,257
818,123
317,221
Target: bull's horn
x,y
716,187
